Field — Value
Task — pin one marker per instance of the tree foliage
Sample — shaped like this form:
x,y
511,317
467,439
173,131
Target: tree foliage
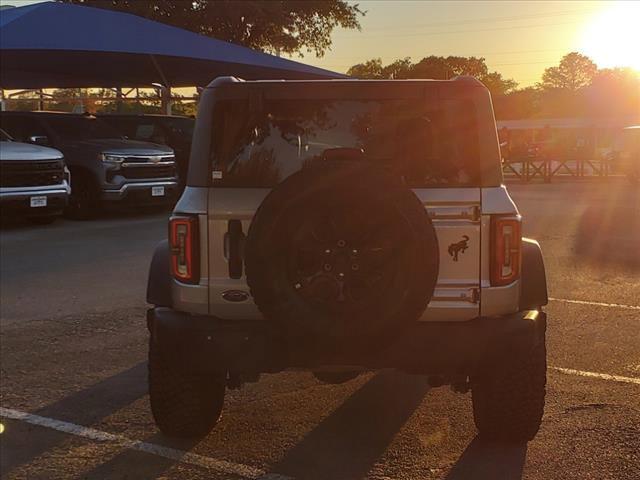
x,y
374,69
574,72
611,93
574,88
285,26
440,68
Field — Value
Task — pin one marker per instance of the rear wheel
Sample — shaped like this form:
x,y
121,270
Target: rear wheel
x,y
183,404
508,402
84,200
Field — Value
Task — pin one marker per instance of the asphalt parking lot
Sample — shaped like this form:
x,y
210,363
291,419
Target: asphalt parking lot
x,y
73,368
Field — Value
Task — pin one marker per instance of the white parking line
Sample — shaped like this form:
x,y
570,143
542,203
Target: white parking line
x,y
218,466
597,304
601,376
212,464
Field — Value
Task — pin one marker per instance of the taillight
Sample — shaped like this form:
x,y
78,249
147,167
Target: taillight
x,y
183,242
506,245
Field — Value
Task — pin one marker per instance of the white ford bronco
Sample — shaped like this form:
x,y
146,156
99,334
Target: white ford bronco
x,y
342,226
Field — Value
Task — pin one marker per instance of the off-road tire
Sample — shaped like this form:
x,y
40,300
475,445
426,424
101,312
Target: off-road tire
x,y
508,402
335,378
183,404
84,201
345,187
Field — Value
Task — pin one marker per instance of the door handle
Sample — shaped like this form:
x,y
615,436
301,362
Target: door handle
x,y
234,248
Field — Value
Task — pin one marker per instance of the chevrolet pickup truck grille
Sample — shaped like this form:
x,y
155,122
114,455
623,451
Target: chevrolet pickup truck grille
x,y
31,173
140,171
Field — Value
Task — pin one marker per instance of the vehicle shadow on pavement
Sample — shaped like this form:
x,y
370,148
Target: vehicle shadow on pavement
x,y
85,408
128,464
489,461
353,438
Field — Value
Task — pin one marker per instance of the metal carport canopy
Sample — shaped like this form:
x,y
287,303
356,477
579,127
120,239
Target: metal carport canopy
x,y
63,45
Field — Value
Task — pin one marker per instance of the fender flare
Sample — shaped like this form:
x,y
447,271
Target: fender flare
x,y
159,282
533,279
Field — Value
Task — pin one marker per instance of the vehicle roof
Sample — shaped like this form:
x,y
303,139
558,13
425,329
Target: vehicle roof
x,y
352,88
461,79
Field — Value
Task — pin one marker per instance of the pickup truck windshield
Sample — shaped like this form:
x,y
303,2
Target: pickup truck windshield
x,y
428,146
69,127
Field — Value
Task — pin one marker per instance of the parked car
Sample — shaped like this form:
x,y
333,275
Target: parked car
x,y
341,226
106,169
34,182
173,130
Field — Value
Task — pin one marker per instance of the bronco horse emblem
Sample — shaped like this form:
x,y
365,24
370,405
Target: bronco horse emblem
x,y
458,247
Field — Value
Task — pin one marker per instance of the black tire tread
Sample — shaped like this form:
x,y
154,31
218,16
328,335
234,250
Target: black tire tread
x,y
508,404
183,404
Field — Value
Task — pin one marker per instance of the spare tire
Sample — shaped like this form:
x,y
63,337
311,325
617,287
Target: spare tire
x,y
341,251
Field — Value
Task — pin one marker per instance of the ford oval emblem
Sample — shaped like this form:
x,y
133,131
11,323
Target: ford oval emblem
x,y
235,296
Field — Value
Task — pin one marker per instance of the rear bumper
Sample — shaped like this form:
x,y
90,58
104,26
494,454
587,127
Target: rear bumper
x,y
461,348
17,202
140,193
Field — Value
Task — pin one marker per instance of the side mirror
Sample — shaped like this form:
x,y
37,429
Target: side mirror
x,y
39,139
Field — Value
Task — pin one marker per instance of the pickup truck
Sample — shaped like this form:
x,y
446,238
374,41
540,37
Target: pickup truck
x,y
106,168
34,182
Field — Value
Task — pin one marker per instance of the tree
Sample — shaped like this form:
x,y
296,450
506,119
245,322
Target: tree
x,y
433,67
398,69
614,92
374,69
476,67
522,103
286,26
574,72
439,68
498,85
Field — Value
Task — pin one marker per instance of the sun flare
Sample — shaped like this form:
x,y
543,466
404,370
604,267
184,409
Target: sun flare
x,y
612,38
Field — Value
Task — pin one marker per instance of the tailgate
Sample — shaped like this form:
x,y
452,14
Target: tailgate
x,y
455,215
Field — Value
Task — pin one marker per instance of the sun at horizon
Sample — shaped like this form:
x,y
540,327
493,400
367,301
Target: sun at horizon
x,y
612,38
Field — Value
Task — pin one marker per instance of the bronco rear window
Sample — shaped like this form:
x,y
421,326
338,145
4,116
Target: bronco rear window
x,y
428,146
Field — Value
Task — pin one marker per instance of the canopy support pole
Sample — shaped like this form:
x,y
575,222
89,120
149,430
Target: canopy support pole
x,y
165,90
165,100
118,99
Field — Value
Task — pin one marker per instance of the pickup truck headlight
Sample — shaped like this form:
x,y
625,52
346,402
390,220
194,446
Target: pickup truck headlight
x,y
112,159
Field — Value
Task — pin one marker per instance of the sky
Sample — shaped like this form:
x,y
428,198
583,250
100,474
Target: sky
x,y
517,38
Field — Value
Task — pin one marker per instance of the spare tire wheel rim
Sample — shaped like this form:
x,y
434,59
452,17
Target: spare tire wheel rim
x,y
342,262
